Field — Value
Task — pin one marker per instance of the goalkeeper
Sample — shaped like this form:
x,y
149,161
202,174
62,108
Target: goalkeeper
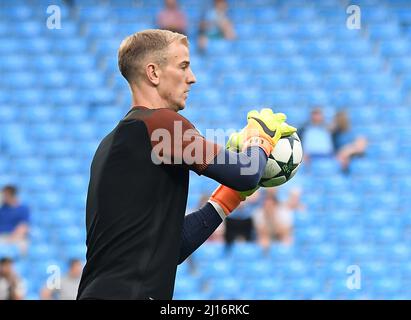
x,y
137,231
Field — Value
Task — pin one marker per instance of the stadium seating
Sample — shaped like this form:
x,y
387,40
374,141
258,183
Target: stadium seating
x,y
60,93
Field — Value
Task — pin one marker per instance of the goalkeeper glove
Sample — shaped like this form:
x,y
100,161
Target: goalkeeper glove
x,y
263,129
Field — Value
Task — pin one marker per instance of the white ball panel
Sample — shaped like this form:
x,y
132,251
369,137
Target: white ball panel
x,y
297,152
282,151
271,169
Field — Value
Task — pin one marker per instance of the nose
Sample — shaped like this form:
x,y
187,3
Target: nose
x,y
191,77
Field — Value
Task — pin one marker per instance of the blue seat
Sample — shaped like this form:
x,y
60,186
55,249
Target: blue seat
x,y
245,251
212,269
226,288
310,235
69,235
324,252
384,31
26,29
350,235
306,286
63,166
7,114
265,285
41,252
93,13
37,182
43,62
28,166
395,48
280,98
52,79
340,81
70,46
363,167
74,114
401,65
186,285
328,64
43,132
375,81
17,12
100,29
325,167
354,48
55,148
281,48
48,201
61,97
13,63
37,114
19,80
209,252
317,48
36,45
254,269
86,80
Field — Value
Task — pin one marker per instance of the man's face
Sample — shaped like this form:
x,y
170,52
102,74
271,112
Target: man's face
x,y
6,268
176,77
8,198
317,117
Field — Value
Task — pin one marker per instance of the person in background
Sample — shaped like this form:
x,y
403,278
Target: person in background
x,y
316,137
11,285
346,144
68,286
215,24
14,219
275,219
239,226
172,18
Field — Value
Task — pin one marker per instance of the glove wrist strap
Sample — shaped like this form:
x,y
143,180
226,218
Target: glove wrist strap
x,y
228,199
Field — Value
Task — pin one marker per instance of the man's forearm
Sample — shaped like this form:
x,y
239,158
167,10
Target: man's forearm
x,y
198,227
240,171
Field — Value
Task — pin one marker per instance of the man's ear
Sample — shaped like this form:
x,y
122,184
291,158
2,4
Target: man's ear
x,y
153,73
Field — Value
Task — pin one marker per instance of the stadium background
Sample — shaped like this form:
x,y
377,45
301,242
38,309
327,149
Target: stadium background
x,y
60,93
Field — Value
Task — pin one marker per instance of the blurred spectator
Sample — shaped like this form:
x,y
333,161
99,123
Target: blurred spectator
x,y
68,286
172,18
346,143
316,137
14,219
239,224
215,24
274,220
11,286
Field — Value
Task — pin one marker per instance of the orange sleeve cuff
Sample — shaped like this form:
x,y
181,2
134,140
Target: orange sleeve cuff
x,y
227,198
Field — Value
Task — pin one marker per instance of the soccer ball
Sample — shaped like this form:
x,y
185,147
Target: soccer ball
x,y
283,162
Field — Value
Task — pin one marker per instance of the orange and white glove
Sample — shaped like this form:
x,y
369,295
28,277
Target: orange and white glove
x,y
225,200
263,129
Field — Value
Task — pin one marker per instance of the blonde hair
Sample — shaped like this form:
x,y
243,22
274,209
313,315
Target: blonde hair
x,y
148,44
342,123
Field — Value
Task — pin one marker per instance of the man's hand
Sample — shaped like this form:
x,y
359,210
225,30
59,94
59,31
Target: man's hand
x,y
263,129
